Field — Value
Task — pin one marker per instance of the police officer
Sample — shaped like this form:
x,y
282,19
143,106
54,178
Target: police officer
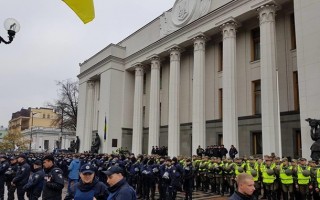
x,y
268,178
53,180
35,183
9,175
303,182
286,179
4,165
89,187
167,174
200,151
22,176
188,179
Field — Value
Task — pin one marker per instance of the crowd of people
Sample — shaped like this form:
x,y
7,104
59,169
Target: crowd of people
x,y
103,176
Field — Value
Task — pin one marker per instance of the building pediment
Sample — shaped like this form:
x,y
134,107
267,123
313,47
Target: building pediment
x,y
182,13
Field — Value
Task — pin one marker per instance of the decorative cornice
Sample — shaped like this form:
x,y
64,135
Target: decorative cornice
x,y
101,63
193,25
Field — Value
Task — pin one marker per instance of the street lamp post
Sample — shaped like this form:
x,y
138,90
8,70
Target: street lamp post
x,y
31,130
12,26
61,132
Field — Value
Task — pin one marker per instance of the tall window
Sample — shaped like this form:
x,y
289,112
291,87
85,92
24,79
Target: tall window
x,y
293,32
296,91
143,115
160,114
297,144
220,139
144,83
46,144
255,43
220,103
160,78
256,143
220,64
256,89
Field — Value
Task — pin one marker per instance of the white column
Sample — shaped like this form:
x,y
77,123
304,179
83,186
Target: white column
x,y
174,94
89,116
269,89
229,83
137,111
198,95
154,113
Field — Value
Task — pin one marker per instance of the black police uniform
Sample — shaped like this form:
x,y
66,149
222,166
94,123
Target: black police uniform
x,y
52,189
188,181
35,184
3,168
21,178
9,175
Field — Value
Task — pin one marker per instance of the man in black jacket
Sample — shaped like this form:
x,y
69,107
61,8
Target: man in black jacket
x,y
119,188
53,180
22,176
4,165
9,175
35,183
245,187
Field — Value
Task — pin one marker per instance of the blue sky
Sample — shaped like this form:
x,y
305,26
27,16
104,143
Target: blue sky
x,y
53,41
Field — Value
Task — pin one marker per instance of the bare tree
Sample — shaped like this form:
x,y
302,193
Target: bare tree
x,y
66,106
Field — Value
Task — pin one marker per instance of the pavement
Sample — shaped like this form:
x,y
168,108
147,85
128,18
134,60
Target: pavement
x,y
197,195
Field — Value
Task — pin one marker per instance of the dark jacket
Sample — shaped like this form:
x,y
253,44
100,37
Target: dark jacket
x,y
11,173
233,152
121,191
35,183
3,167
52,190
96,189
22,175
238,196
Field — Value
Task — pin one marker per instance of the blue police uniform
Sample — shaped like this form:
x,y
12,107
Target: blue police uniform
x,y
21,178
81,191
35,184
3,168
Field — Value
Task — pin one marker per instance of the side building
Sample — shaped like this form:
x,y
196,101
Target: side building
x,y
242,73
40,126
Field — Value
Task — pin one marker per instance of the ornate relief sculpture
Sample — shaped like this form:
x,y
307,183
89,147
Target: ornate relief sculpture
x,y
182,13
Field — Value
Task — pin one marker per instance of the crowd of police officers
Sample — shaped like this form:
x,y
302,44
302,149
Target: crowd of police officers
x,y
274,178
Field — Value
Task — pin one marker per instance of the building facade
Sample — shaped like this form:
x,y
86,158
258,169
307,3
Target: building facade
x,y
208,72
40,126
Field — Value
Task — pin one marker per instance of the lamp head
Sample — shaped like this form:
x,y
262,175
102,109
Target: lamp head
x,y
12,26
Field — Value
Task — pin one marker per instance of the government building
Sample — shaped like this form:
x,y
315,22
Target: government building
x,y
233,72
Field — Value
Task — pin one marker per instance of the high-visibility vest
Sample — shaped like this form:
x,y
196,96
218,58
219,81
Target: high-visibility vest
x,y
266,178
303,180
318,177
255,167
285,179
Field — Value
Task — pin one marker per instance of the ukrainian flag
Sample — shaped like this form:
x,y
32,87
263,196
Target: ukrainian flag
x,y
83,8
